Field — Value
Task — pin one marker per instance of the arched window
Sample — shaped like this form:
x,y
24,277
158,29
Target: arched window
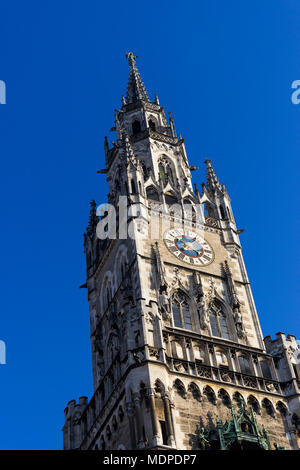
x,y
253,402
267,405
223,215
176,314
170,199
136,127
224,396
244,365
133,188
218,322
152,125
162,174
210,394
152,193
282,409
181,312
194,389
170,174
179,388
165,172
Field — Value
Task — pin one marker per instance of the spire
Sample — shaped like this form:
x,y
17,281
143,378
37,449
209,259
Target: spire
x,y
212,180
136,89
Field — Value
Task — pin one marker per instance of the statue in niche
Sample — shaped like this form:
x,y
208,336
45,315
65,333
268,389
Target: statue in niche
x,y
202,312
237,316
164,303
202,301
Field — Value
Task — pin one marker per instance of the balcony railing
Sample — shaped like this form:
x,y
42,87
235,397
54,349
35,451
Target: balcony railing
x,y
222,374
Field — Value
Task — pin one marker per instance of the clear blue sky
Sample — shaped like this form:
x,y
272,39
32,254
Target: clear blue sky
x,y
224,69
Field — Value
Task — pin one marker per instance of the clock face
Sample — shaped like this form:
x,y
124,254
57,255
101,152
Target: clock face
x,y
189,247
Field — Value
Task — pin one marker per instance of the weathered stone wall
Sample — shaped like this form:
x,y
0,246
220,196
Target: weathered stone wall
x,y
190,413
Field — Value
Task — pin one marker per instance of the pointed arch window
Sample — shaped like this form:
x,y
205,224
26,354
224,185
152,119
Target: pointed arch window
x,y
223,215
176,314
162,174
181,312
218,322
133,188
152,125
152,193
170,199
165,172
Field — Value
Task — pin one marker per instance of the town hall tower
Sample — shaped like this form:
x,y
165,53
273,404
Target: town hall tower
x,y
178,356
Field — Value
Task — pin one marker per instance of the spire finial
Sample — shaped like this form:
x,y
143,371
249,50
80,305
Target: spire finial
x,y
131,58
136,90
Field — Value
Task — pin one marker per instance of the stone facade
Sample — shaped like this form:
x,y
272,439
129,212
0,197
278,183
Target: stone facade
x,y
177,347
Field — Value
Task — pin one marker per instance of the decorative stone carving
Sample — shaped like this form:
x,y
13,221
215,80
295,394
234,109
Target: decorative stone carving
x,y
270,387
237,316
154,352
164,305
179,367
200,301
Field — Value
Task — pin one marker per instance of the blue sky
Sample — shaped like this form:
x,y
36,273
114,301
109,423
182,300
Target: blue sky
x,y
225,70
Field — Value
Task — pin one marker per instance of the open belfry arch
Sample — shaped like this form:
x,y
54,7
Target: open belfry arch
x,y
178,355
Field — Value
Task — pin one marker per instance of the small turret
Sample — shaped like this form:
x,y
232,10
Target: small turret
x,y
212,183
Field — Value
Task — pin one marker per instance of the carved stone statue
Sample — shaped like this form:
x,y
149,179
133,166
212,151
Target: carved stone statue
x,y
202,312
164,304
237,316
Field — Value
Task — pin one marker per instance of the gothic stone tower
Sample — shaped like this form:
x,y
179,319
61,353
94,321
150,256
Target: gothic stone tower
x,y
179,360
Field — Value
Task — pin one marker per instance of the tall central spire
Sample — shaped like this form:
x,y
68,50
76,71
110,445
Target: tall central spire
x,y
136,89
